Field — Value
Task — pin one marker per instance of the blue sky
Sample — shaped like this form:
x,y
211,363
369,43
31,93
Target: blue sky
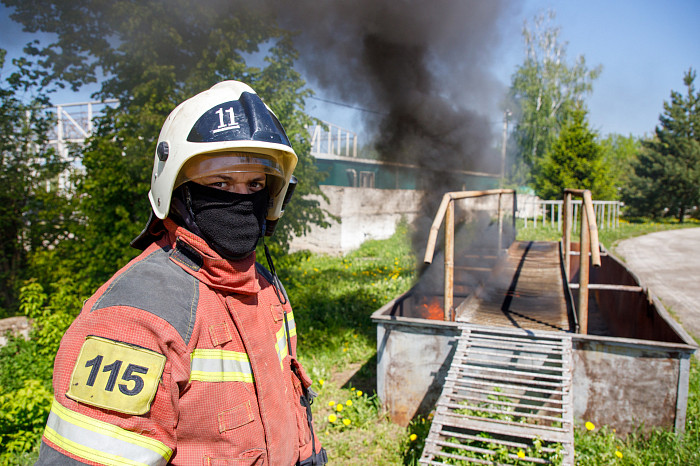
x,y
644,47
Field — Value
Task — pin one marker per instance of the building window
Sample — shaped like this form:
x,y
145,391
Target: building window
x,y
367,179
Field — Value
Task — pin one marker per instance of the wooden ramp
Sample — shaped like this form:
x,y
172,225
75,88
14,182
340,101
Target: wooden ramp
x,y
524,290
507,396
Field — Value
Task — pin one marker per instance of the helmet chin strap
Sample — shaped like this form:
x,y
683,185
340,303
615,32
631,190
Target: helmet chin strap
x,y
276,285
183,212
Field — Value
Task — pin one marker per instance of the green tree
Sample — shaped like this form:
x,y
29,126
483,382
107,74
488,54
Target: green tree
x,y
32,212
544,90
154,54
575,160
620,154
666,178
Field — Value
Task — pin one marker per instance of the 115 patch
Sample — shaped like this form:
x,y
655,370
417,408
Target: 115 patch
x,y
117,376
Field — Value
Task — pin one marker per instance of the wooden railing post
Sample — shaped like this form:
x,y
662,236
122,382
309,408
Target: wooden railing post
x,y
500,224
446,212
588,246
594,245
585,248
515,210
449,259
566,236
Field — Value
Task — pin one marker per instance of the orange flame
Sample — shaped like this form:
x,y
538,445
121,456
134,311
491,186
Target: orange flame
x,y
433,310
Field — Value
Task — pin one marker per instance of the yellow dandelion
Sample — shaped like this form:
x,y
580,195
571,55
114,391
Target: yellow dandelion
x,y
618,453
590,425
339,408
521,454
359,393
352,389
332,418
344,350
321,382
413,437
348,403
331,403
346,421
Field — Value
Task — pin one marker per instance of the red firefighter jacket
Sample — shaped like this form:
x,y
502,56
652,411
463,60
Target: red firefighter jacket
x,y
180,358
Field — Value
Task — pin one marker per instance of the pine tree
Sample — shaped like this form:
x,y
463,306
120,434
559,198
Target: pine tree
x,y
666,177
575,160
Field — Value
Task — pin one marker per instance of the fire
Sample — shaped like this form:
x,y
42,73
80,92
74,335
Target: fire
x,y
433,310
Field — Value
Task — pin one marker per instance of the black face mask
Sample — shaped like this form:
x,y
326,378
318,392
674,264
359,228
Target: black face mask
x,y
231,223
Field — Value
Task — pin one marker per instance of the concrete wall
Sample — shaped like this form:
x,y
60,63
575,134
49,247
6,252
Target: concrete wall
x,y
368,213
365,213
19,325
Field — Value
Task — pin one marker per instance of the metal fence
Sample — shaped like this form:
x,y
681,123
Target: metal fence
x,y
536,212
74,124
328,139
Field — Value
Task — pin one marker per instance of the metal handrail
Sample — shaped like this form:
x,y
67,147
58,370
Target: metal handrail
x,y
588,244
446,211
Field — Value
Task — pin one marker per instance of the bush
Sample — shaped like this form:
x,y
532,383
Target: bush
x,y
23,415
26,369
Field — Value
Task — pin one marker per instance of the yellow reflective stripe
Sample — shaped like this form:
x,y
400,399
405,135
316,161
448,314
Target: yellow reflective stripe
x,y
217,365
102,442
281,335
292,324
281,345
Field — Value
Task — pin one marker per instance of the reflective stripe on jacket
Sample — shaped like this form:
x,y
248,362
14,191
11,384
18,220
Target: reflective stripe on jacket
x,y
226,394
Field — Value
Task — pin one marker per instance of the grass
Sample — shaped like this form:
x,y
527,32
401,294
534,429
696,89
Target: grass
x,y
609,237
333,298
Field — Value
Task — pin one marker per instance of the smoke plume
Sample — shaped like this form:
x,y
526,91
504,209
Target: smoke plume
x,y
424,66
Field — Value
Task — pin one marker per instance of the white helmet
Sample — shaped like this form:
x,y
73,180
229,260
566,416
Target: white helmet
x,y
225,129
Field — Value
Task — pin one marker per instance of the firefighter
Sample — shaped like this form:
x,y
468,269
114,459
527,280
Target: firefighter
x,y
187,355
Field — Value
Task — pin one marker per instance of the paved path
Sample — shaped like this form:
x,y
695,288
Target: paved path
x,y
668,262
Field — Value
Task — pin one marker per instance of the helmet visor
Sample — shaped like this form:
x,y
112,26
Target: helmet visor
x,y
208,165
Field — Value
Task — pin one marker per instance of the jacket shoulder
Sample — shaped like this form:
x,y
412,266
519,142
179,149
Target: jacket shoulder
x,y
155,284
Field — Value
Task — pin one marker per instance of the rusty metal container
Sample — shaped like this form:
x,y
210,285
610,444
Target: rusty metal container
x,y
631,370
414,354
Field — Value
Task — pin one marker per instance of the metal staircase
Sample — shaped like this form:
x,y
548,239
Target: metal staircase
x,y
506,400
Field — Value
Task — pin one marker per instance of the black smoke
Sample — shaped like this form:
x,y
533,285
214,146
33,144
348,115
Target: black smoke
x,y
424,67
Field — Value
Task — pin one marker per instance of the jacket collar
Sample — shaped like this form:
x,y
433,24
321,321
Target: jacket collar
x,y
195,256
